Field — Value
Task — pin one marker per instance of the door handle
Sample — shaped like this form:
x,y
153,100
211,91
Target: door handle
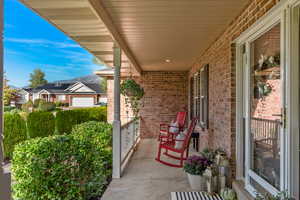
x,y
277,115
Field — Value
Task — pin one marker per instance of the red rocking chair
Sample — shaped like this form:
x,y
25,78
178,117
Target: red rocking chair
x,y
169,144
165,128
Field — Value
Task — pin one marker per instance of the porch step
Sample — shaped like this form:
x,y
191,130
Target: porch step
x,y
194,196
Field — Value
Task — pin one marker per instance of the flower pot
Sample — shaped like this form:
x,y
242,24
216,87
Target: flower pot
x,y
197,182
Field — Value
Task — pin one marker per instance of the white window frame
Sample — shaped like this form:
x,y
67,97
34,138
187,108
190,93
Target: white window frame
x,y
287,14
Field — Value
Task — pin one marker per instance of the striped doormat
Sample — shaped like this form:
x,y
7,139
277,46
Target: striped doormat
x,y
194,196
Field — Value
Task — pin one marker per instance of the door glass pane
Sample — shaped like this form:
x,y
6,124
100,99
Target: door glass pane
x,y
265,102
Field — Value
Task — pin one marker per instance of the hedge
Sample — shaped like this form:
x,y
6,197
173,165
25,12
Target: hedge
x,y
65,120
28,106
14,132
37,102
100,133
8,108
40,124
46,106
65,167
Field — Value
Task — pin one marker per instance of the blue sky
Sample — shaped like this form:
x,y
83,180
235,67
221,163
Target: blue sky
x,y
31,42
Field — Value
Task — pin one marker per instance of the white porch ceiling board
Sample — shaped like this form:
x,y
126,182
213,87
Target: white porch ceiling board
x,y
77,20
179,30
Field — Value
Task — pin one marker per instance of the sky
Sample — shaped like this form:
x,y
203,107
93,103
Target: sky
x,y
30,42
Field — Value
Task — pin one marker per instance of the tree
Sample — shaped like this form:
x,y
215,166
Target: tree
x,y
103,84
8,93
37,78
103,81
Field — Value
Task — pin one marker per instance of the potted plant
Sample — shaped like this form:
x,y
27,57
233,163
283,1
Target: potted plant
x,y
228,194
194,167
133,93
280,196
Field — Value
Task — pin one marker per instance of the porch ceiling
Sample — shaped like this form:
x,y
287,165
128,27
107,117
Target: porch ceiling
x,y
178,30
148,31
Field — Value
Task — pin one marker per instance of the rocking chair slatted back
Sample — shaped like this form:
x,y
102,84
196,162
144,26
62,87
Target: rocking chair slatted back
x,y
180,118
189,133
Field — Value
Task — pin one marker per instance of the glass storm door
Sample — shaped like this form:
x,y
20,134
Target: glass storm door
x,y
265,113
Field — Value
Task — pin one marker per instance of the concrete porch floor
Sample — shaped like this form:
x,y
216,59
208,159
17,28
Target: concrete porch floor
x,y
145,178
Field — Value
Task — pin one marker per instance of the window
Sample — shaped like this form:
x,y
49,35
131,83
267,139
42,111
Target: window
x,y
199,96
61,97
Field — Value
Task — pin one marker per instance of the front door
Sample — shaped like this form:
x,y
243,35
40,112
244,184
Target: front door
x,y
265,112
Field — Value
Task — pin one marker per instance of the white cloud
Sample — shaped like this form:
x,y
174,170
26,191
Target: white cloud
x,y
42,42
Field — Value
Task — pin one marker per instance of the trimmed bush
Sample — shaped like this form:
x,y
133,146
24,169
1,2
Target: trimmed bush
x,y
63,167
65,120
37,102
96,114
27,107
40,124
98,132
14,132
46,106
8,108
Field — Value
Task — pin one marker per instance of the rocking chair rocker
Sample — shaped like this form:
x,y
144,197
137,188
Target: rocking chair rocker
x,y
165,128
170,146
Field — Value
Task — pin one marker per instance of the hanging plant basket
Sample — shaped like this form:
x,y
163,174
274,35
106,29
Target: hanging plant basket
x,y
133,93
130,88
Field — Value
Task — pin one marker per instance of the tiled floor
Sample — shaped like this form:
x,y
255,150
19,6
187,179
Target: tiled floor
x,y
146,179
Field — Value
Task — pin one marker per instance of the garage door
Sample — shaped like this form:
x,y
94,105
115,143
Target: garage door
x,y
82,101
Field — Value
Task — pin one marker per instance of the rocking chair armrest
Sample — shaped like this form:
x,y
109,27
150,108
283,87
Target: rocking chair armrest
x,y
179,140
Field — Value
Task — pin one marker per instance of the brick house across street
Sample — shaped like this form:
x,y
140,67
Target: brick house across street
x,y
233,65
76,94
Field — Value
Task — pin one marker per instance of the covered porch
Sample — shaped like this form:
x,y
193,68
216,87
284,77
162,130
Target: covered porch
x,y
193,56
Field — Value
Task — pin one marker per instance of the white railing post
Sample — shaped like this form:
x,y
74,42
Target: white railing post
x,y
4,178
117,120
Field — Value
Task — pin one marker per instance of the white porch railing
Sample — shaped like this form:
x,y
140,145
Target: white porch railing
x,y
130,137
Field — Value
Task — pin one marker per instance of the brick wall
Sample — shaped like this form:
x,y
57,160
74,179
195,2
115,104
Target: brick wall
x,y
165,95
221,58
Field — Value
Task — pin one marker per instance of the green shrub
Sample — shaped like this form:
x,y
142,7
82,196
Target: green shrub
x,y
65,120
14,132
8,108
40,124
27,107
100,132
37,102
59,104
96,114
62,167
46,106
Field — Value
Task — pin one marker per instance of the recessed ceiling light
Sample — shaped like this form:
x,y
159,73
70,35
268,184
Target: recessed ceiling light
x,y
168,60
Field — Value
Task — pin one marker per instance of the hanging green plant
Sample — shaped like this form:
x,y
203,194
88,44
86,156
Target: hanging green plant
x,y
133,93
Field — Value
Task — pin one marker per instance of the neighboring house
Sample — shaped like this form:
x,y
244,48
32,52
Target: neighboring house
x,y
76,94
